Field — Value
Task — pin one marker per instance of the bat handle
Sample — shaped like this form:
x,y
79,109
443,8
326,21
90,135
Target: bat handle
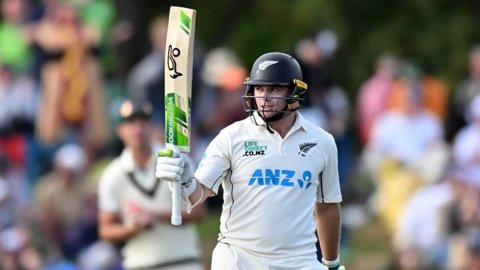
x,y
176,218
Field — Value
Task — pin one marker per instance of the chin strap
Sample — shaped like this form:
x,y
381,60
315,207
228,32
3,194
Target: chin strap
x,y
269,120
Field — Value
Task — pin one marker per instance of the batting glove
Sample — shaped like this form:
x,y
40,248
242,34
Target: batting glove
x,y
177,167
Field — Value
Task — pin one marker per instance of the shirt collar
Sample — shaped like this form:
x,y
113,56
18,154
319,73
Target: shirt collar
x,y
300,121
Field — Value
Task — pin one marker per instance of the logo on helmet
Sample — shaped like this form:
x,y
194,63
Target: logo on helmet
x,y
263,65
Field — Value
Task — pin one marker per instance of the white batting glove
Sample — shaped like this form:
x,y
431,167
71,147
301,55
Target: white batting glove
x,y
170,168
176,168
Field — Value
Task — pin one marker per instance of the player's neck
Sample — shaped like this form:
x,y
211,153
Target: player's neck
x,y
142,156
283,126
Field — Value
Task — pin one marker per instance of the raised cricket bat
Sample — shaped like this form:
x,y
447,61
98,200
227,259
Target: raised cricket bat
x,y
178,91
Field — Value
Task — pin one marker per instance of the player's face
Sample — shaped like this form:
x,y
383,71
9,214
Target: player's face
x,y
135,133
270,99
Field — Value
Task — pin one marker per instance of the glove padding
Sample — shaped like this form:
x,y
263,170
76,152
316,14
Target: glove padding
x,y
179,167
176,168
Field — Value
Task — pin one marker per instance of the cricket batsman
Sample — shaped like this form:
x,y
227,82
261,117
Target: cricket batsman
x,y
279,175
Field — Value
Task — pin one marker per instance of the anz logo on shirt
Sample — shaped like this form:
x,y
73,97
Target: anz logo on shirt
x,y
279,177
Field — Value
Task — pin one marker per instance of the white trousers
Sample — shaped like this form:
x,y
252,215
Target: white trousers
x,y
228,257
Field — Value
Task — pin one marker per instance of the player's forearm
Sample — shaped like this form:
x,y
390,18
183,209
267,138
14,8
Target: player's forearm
x,y
196,215
116,232
200,194
328,229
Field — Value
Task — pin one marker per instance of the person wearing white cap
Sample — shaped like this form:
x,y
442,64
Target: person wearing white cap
x,y
61,203
135,207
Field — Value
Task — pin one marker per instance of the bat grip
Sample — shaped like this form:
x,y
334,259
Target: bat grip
x,y
176,218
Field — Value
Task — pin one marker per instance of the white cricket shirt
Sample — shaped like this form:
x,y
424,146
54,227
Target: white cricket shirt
x,y
123,189
271,185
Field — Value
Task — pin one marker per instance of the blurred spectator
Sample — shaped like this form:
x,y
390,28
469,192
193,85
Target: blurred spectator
x,y
466,145
146,79
468,89
374,94
406,151
316,76
466,214
135,208
327,105
16,250
14,194
434,91
14,48
464,219
19,104
64,206
100,15
223,76
73,103
422,238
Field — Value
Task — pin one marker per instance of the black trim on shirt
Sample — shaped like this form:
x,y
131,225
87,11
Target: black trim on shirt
x,y
321,187
231,195
149,192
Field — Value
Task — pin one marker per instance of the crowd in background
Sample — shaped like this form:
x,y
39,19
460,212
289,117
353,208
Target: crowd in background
x,y
409,147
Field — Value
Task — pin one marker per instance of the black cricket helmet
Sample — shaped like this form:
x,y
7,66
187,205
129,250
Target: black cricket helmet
x,y
280,69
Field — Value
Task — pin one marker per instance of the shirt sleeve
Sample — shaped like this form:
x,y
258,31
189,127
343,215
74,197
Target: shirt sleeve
x,y
107,192
215,163
328,190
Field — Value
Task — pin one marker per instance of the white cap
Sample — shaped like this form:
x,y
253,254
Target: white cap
x,y
71,156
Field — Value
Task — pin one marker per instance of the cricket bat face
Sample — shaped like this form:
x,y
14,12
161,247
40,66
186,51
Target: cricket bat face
x,y
178,77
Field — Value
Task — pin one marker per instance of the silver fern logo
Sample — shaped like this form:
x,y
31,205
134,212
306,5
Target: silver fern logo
x,y
265,64
304,148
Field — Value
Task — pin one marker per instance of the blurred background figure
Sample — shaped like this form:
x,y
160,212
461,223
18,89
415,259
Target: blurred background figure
x,y
64,206
466,144
328,106
19,100
222,74
374,94
17,250
406,150
15,51
433,90
468,89
73,105
135,208
466,212
146,79
422,240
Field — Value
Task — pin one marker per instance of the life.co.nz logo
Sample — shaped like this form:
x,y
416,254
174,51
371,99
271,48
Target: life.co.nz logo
x,y
253,149
280,177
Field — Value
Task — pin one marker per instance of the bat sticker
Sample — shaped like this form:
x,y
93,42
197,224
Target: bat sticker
x,y
172,64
